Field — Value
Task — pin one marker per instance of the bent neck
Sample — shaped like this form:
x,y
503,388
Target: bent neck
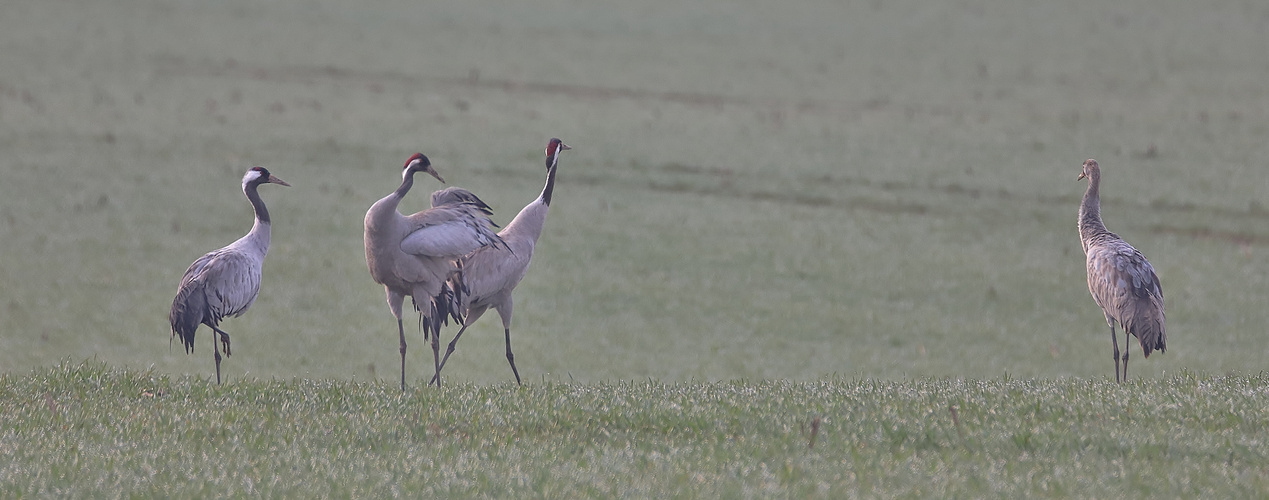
x,y
387,205
253,196
407,182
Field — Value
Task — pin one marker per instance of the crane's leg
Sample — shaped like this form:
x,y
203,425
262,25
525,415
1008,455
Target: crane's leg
x,y
401,331
472,316
1127,349
395,300
216,352
224,339
504,311
448,350
1115,355
435,322
511,358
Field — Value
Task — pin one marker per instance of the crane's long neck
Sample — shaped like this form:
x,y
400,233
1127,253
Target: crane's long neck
x,y
550,181
1090,221
259,235
532,217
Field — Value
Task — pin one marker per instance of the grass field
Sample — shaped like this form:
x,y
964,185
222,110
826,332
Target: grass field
x,y
813,197
88,430
868,190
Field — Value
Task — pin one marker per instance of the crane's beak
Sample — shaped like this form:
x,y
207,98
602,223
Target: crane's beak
x,y
275,180
564,147
432,171
1081,177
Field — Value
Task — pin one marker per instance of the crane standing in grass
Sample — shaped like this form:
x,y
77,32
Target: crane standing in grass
x,y
415,255
225,282
1120,278
490,274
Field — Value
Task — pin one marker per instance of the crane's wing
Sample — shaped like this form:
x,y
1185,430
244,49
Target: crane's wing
x,y
457,196
449,231
448,239
1124,284
230,281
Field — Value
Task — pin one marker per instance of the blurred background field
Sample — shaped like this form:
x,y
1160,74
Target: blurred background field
x,y
757,190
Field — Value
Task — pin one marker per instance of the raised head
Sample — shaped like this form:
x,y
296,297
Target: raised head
x,y
1090,167
419,163
553,149
261,175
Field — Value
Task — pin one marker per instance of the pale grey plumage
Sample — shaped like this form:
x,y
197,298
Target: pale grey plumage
x,y
1121,280
225,282
415,255
490,274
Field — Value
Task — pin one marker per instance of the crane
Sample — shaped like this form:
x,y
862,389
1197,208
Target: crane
x,y
490,274
225,282
1121,280
415,255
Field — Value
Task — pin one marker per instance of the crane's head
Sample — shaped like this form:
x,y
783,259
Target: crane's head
x,y
420,163
553,149
261,175
1090,166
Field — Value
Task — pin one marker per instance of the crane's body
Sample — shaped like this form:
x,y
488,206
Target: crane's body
x,y
1120,279
415,255
491,274
225,282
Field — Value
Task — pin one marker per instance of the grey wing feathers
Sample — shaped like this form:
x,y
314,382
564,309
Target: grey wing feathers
x,y
451,238
1125,285
229,282
459,196
449,230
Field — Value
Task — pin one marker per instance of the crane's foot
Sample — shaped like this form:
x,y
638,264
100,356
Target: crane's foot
x,y
511,359
224,339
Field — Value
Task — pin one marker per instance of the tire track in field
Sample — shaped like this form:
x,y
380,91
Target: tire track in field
x,y
724,183
171,65
176,66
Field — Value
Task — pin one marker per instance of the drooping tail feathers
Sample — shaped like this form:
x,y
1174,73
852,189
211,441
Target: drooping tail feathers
x,y
1150,330
439,309
186,314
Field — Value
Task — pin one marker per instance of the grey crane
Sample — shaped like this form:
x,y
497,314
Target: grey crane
x,y
490,274
225,282
1120,278
415,255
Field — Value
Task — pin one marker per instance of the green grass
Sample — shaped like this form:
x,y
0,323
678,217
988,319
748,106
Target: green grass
x,y
90,430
